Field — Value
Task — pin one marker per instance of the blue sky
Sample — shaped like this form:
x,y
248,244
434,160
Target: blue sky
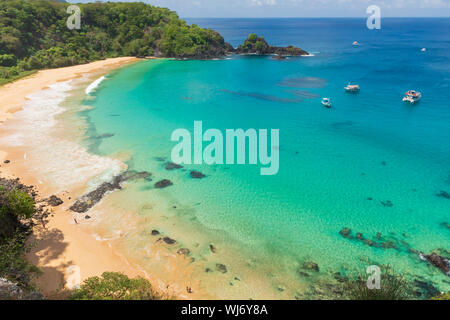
x,y
302,8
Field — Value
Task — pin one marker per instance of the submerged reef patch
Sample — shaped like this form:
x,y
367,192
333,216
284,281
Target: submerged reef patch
x,y
304,82
261,96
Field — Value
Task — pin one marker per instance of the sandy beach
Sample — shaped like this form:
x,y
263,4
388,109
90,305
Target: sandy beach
x,y
64,250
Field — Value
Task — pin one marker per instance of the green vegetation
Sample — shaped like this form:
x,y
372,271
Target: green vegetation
x,y
445,296
16,210
34,35
115,286
393,286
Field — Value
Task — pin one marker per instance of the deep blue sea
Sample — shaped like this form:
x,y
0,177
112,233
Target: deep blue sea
x,y
372,163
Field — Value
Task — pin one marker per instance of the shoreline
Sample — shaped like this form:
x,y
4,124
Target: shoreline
x,y
63,249
15,93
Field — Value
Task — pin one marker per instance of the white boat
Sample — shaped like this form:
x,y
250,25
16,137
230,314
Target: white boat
x,y
424,49
412,96
326,102
352,88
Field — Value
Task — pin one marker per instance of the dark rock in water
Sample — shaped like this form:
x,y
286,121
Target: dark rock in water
x,y
425,289
303,274
387,203
310,265
7,161
173,166
163,184
168,240
370,198
359,236
378,236
155,233
207,270
197,175
445,225
444,194
346,233
212,248
105,136
389,245
87,217
370,243
277,57
383,163
160,159
440,262
221,268
89,200
184,251
54,201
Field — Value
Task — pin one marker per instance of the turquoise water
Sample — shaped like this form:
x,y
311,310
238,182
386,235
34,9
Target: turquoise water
x,y
337,167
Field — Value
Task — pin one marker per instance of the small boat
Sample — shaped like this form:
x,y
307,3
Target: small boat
x,y
355,43
326,102
352,88
412,96
424,49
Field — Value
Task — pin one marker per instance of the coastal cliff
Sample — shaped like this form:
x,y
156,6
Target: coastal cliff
x,y
34,35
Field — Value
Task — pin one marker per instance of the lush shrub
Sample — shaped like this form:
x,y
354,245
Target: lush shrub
x,y
393,287
115,286
20,204
16,207
7,60
445,296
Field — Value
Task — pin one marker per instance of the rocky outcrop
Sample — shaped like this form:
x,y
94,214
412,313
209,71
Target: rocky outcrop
x,y
311,266
184,251
163,184
10,291
221,268
172,166
54,201
259,46
438,261
89,200
197,175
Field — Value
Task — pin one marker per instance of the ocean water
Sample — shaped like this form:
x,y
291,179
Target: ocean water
x,y
371,163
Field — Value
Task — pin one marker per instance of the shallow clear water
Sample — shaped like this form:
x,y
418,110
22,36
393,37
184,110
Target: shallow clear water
x,y
336,166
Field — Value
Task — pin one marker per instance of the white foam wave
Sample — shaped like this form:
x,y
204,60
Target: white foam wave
x,y
94,85
54,159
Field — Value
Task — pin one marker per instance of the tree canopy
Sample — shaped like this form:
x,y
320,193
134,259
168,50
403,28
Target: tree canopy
x,y
34,34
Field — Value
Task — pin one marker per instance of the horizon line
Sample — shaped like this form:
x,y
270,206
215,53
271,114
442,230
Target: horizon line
x,y
327,17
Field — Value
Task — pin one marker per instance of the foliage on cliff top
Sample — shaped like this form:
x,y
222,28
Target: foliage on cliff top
x,y
34,34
